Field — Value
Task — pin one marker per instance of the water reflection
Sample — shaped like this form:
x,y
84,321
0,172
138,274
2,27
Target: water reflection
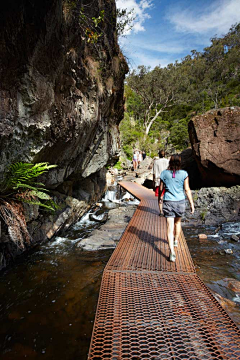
x,y
48,303
213,265
49,296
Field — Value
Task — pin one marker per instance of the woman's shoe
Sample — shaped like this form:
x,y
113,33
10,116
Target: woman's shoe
x,y
172,257
175,243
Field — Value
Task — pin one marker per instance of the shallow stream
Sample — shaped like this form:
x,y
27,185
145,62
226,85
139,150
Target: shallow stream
x,y
49,297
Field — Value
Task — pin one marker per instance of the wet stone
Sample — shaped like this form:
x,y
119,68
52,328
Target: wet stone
x,y
228,251
97,241
108,235
235,238
202,236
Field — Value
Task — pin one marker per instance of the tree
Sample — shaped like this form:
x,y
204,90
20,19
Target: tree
x,y
125,21
158,90
160,102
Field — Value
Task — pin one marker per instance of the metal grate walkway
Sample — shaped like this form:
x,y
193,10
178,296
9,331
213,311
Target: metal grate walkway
x,y
150,308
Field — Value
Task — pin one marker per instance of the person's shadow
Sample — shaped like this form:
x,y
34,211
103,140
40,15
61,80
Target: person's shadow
x,y
150,239
149,210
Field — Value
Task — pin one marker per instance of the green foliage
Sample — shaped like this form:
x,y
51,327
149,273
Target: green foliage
x,y
21,174
195,197
118,165
93,34
90,27
179,134
203,215
99,19
160,102
20,182
125,21
128,150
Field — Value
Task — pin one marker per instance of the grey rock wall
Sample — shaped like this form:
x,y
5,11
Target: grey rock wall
x,y
61,97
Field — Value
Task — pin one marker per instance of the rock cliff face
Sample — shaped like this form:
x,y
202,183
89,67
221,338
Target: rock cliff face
x,y
61,96
215,139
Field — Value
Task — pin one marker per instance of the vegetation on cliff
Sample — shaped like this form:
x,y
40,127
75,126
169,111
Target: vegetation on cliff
x,y
19,186
160,102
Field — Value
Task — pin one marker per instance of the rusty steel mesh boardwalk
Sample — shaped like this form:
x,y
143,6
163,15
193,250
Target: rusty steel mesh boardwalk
x,y
150,308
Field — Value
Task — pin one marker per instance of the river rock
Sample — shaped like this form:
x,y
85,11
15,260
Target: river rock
x,y
228,251
215,139
108,235
227,287
235,238
214,206
144,173
230,306
234,285
202,236
98,240
98,218
146,164
127,164
114,171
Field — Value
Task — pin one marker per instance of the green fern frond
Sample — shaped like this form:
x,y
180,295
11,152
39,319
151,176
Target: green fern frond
x,y
39,203
27,186
40,194
24,173
40,184
20,179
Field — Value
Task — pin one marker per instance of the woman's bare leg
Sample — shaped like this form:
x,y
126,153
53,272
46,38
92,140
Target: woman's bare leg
x,y
177,227
170,229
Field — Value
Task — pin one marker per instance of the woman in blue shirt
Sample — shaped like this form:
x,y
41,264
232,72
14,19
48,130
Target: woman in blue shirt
x,y
176,184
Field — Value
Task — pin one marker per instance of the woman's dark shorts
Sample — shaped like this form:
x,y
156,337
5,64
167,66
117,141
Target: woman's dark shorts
x,y
174,208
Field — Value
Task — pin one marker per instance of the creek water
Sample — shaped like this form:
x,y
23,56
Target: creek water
x,y
49,297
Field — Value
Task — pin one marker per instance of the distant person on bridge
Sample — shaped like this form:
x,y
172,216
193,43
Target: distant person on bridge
x,y
135,160
175,182
140,158
158,166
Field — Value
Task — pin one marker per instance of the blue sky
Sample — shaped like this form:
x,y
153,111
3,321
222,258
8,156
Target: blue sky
x,y
167,30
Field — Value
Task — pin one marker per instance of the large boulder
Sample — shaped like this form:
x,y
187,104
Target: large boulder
x,y
215,139
190,165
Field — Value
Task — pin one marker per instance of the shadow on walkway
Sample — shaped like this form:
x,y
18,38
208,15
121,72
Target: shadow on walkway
x,y
150,239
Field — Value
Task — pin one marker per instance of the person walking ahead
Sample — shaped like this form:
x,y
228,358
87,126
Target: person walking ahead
x,y
158,166
175,182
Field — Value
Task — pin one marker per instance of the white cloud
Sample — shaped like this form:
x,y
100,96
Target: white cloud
x,y
219,17
168,47
142,58
139,12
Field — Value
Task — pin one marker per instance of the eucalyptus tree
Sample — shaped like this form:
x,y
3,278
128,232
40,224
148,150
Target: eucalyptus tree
x,y
158,90
163,100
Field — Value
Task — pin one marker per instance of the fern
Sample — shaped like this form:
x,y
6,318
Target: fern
x,y
20,186
23,174
28,186
40,194
20,182
45,205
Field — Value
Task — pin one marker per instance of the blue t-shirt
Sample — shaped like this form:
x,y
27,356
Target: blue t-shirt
x,y
174,186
